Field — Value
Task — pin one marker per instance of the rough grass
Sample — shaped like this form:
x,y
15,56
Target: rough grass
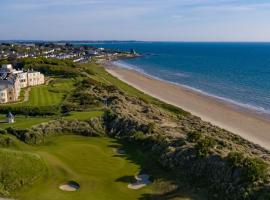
x,y
19,168
84,115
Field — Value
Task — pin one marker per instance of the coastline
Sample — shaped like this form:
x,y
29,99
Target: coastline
x,y
243,122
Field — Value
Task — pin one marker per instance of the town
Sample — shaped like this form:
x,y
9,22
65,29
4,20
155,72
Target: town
x,y
75,52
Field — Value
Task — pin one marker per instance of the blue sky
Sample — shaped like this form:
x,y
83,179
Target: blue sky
x,y
165,20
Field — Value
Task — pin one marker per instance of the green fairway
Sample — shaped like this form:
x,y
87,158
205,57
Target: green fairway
x,y
47,95
22,122
89,161
84,115
42,96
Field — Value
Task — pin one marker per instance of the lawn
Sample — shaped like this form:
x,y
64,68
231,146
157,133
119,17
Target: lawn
x,y
89,161
42,96
84,115
47,95
23,122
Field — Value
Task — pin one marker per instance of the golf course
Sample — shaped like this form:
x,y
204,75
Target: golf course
x,y
86,135
91,162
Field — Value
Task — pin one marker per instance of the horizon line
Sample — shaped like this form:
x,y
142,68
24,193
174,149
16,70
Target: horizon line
x,y
108,40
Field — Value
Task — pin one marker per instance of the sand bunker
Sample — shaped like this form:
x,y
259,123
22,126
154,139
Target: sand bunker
x,y
6,199
142,181
69,186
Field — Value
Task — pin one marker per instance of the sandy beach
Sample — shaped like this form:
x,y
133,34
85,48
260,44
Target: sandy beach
x,y
247,124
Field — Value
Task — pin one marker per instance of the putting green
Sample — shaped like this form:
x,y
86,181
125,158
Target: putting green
x,y
89,161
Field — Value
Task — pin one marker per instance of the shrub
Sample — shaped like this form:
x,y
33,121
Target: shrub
x,y
150,128
68,107
90,71
50,66
2,131
138,135
194,136
37,134
252,169
204,146
31,110
111,88
5,141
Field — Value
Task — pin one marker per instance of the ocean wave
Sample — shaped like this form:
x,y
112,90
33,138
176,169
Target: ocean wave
x,y
181,75
249,107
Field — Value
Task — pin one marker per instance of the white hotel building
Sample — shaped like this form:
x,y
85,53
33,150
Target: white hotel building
x,y
12,80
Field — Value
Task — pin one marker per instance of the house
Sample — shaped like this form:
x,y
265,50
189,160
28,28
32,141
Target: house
x,y
34,78
12,80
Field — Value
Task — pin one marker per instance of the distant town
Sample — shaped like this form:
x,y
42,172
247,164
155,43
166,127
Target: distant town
x,y
75,52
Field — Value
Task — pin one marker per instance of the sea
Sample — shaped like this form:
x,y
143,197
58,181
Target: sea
x,y
238,73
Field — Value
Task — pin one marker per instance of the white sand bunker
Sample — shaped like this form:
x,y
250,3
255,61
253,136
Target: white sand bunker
x,y
6,199
142,181
69,186
119,151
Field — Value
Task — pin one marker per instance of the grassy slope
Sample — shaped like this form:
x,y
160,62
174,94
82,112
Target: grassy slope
x,y
84,115
105,77
19,168
23,122
89,161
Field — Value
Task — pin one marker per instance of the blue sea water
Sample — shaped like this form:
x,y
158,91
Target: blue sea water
x,y
235,72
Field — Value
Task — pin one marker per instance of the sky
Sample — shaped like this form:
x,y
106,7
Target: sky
x,y
147,20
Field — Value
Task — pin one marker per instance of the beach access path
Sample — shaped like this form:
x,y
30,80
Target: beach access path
x,y
249,125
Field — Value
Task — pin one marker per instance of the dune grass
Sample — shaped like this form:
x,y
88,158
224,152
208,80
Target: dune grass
x,y
103,76
84,115
89,161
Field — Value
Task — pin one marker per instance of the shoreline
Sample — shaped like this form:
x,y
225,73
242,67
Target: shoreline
x,y
260,112
250,125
